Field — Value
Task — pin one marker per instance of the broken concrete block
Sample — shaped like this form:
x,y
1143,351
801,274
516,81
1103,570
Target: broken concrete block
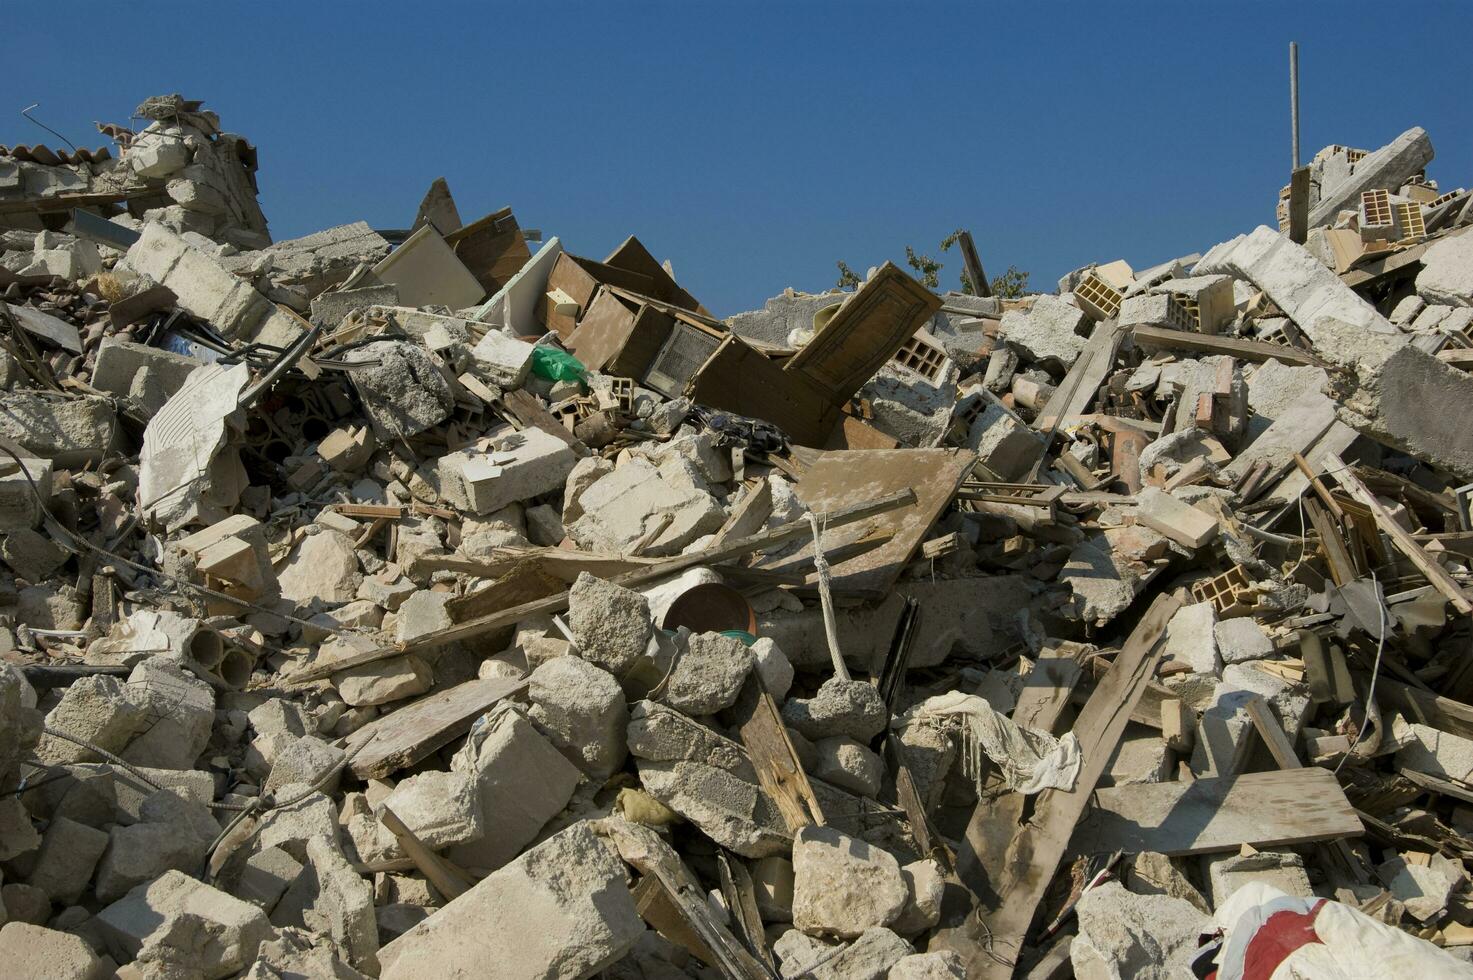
x,y
31,952
265,878
1153,873
1150,937
1424,886
304,760
1141,757
661,734
925,882
405,393
1052,333
384,681
25,904
96,709
514,468
521,782
773,665
1429,750
840,707
573,886
19,506
323,567
1182,523
182,709
621,509
330,898
849,765
441,808
226,931
70,431
843,886
31,554
1190,638
207,290
610,624
582,709
1385,169
869,957
797,953
944,965
708,674
772,884
1447,272
348,450
502,360
1283,870
731,811
17,836
1226,732
69,854
1241,639
1003,443
172,834
147,374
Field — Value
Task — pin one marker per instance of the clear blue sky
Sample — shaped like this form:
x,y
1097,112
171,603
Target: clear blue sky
x,y
755,144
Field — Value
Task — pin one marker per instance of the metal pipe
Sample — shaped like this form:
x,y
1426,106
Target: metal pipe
x,y
1294,97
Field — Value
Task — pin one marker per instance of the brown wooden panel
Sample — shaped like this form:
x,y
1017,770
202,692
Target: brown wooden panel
x,y
634,257
492,249
603,331
865,333
1263,809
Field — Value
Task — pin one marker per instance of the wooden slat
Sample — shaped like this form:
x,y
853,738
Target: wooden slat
x,y
1256,351
779,771
404,736
1402,540
1273,734
1263,809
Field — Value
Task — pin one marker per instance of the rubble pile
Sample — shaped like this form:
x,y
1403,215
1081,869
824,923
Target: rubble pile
x,y
409,603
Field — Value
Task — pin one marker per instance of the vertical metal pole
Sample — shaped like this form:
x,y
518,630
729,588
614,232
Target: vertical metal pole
x,y
1294,97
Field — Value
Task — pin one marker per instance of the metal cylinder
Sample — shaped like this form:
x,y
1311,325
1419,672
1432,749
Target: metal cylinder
x,y
1294,98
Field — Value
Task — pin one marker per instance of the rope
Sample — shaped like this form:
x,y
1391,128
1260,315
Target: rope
x,y
830,624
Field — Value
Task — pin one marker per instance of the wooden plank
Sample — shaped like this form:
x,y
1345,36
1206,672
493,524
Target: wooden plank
x,y
749,515
741,904
1021,882
839,479
408,734
1402,540
1458,357
1085,376
779,770
973,264
1272,733
1257,351
448,880
1263,809
1299,205
1337,555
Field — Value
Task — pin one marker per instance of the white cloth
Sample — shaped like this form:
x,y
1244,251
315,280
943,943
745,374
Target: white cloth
x,y
1031,761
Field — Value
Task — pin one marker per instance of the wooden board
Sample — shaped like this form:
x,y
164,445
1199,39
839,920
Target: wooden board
x,y
840,479
1264,809
737,378
408,734
632,256
1085,376
866,332
1257,351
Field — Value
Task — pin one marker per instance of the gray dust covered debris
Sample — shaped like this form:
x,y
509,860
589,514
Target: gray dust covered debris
x,y
417,603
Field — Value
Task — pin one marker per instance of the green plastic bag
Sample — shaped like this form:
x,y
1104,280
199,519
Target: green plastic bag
x,y
556,365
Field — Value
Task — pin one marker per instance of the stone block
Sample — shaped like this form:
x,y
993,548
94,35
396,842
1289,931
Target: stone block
x,y
620,509
843,886
521,782
572,890
517,467
69,854
405,393
1003,443
502,360
708,674
1191,640
31,952
182,711
1145,937
146,373
1283,870
1242,639
1052,333
441,808
1447,271
731,811
228,934
610,624
71,432
849,765
20,487
1182,523
582,710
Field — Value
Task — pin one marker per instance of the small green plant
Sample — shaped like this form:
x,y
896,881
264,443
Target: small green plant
x,y
847,277
1011,284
